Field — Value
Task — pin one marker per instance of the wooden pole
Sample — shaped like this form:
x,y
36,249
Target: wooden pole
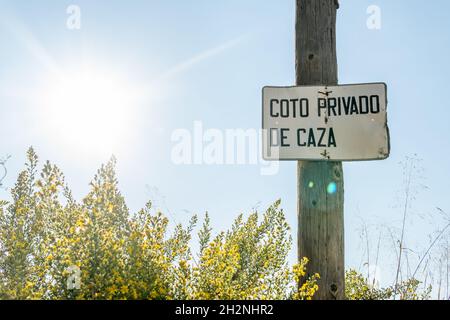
x,y
320,185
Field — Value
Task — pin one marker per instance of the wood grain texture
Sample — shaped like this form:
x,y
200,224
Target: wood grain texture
x,y
320,213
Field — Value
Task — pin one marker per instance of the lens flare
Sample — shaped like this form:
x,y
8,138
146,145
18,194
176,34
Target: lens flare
x,y
331,188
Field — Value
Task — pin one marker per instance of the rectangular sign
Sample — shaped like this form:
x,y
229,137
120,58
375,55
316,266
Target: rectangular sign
x,y
342,123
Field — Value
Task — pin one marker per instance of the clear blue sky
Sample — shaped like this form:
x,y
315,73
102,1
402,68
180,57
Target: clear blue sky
x,y
210,60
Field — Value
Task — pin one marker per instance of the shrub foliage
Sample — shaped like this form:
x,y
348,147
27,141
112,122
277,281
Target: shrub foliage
x,y
55,247
47,238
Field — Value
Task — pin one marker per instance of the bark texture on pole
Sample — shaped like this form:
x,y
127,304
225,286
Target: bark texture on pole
x,y
320,185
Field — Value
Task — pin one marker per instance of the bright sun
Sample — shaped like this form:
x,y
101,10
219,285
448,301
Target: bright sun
x,y
88,110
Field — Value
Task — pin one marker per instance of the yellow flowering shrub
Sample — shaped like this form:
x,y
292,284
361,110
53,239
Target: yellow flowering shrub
x,y
307,289
357,287
54,247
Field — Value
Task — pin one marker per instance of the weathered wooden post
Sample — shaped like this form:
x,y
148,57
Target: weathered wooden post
x,y
320,183
320,124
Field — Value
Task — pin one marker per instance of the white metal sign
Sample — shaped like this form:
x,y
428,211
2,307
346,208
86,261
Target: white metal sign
x,y
343,123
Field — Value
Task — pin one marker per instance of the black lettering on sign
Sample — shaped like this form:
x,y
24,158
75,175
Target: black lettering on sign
x,y
346,103
304,108
354,108
375,104
299,131
272,113
349,105
311,138
322,135
363,104
322,104
317,137
284,137
331,139
331,106
284,106
294,107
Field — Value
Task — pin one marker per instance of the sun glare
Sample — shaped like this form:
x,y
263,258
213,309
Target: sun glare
x,y
90,111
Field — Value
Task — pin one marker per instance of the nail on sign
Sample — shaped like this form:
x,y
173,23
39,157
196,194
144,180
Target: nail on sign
x,y
342,123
